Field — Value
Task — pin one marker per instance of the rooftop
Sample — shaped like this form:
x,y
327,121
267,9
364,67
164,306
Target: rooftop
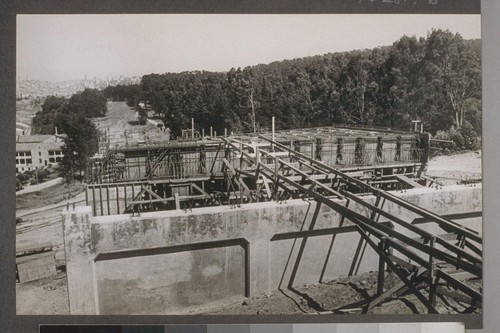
x,y
39,138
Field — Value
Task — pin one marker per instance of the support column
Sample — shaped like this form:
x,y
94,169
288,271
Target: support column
x,y
79,264
259,266
381,267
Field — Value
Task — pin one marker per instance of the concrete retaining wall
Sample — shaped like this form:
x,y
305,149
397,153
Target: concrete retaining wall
x,y
172,261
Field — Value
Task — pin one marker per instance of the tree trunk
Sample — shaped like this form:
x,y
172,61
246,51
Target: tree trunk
x,y
253,110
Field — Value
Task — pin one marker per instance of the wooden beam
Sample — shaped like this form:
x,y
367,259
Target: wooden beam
x,y
177,201
382,231
401,276
199,189
389,292
424,234
408,181
405,204
459,285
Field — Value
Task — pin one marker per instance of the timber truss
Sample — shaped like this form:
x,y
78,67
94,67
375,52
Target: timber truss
x,y
223,170
415,255
235,171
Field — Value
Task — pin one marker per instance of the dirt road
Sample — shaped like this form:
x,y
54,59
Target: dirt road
x,y
41,186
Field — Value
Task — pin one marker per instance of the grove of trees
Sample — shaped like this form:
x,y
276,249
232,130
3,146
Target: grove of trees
x,y
436,79
71,117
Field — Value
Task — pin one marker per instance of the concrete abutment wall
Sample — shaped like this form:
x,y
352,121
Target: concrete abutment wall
x,y
172,262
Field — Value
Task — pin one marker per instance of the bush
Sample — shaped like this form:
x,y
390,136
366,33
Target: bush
x,y
445,135
464,137
469,137
32,181
456,137
442,135
42,174
19,185
23,177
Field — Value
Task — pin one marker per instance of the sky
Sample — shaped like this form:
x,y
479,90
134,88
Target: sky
x,y
69,47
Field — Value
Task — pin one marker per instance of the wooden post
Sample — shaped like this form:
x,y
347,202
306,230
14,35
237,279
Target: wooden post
x,y
432,295
93,200
107,199
177,201
381,267
192,128
125,192
276,185
133,192
432,290
100,199
432,240
272,126
127,167
211,132
117,200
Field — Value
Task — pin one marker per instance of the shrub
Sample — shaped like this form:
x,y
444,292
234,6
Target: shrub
x,y
457,138
469,137
442,135
23,177
445,135
464,137
19,185
42,174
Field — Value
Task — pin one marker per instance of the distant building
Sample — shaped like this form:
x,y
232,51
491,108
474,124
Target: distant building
x,y
37,151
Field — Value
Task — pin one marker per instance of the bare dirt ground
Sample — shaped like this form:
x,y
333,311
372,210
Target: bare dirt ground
x,y
342,296
42,222
121,120
25,109
49,296
453,169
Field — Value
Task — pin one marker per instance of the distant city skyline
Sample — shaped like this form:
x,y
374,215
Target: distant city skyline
x,y
72,47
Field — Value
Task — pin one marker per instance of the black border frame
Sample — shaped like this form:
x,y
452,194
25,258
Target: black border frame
x,y
10,322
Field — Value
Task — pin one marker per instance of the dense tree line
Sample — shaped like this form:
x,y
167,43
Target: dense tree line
x,y
71,117
435,79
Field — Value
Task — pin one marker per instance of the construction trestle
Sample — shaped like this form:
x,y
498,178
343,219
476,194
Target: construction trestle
x,y
323,167
183,175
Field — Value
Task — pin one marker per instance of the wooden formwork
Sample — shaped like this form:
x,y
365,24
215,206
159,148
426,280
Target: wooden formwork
x,y
193,173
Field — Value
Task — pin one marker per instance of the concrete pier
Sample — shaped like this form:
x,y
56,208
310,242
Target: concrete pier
x,y
172,261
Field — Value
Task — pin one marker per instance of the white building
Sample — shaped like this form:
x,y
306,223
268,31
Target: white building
x,y
37,151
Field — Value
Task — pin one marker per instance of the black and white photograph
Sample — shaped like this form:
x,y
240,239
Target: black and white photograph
x,y
249,164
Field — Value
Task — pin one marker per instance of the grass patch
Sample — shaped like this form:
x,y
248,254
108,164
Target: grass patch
x,y
48,196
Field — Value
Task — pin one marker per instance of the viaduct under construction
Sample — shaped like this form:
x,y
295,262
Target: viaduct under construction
x,y
178,225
